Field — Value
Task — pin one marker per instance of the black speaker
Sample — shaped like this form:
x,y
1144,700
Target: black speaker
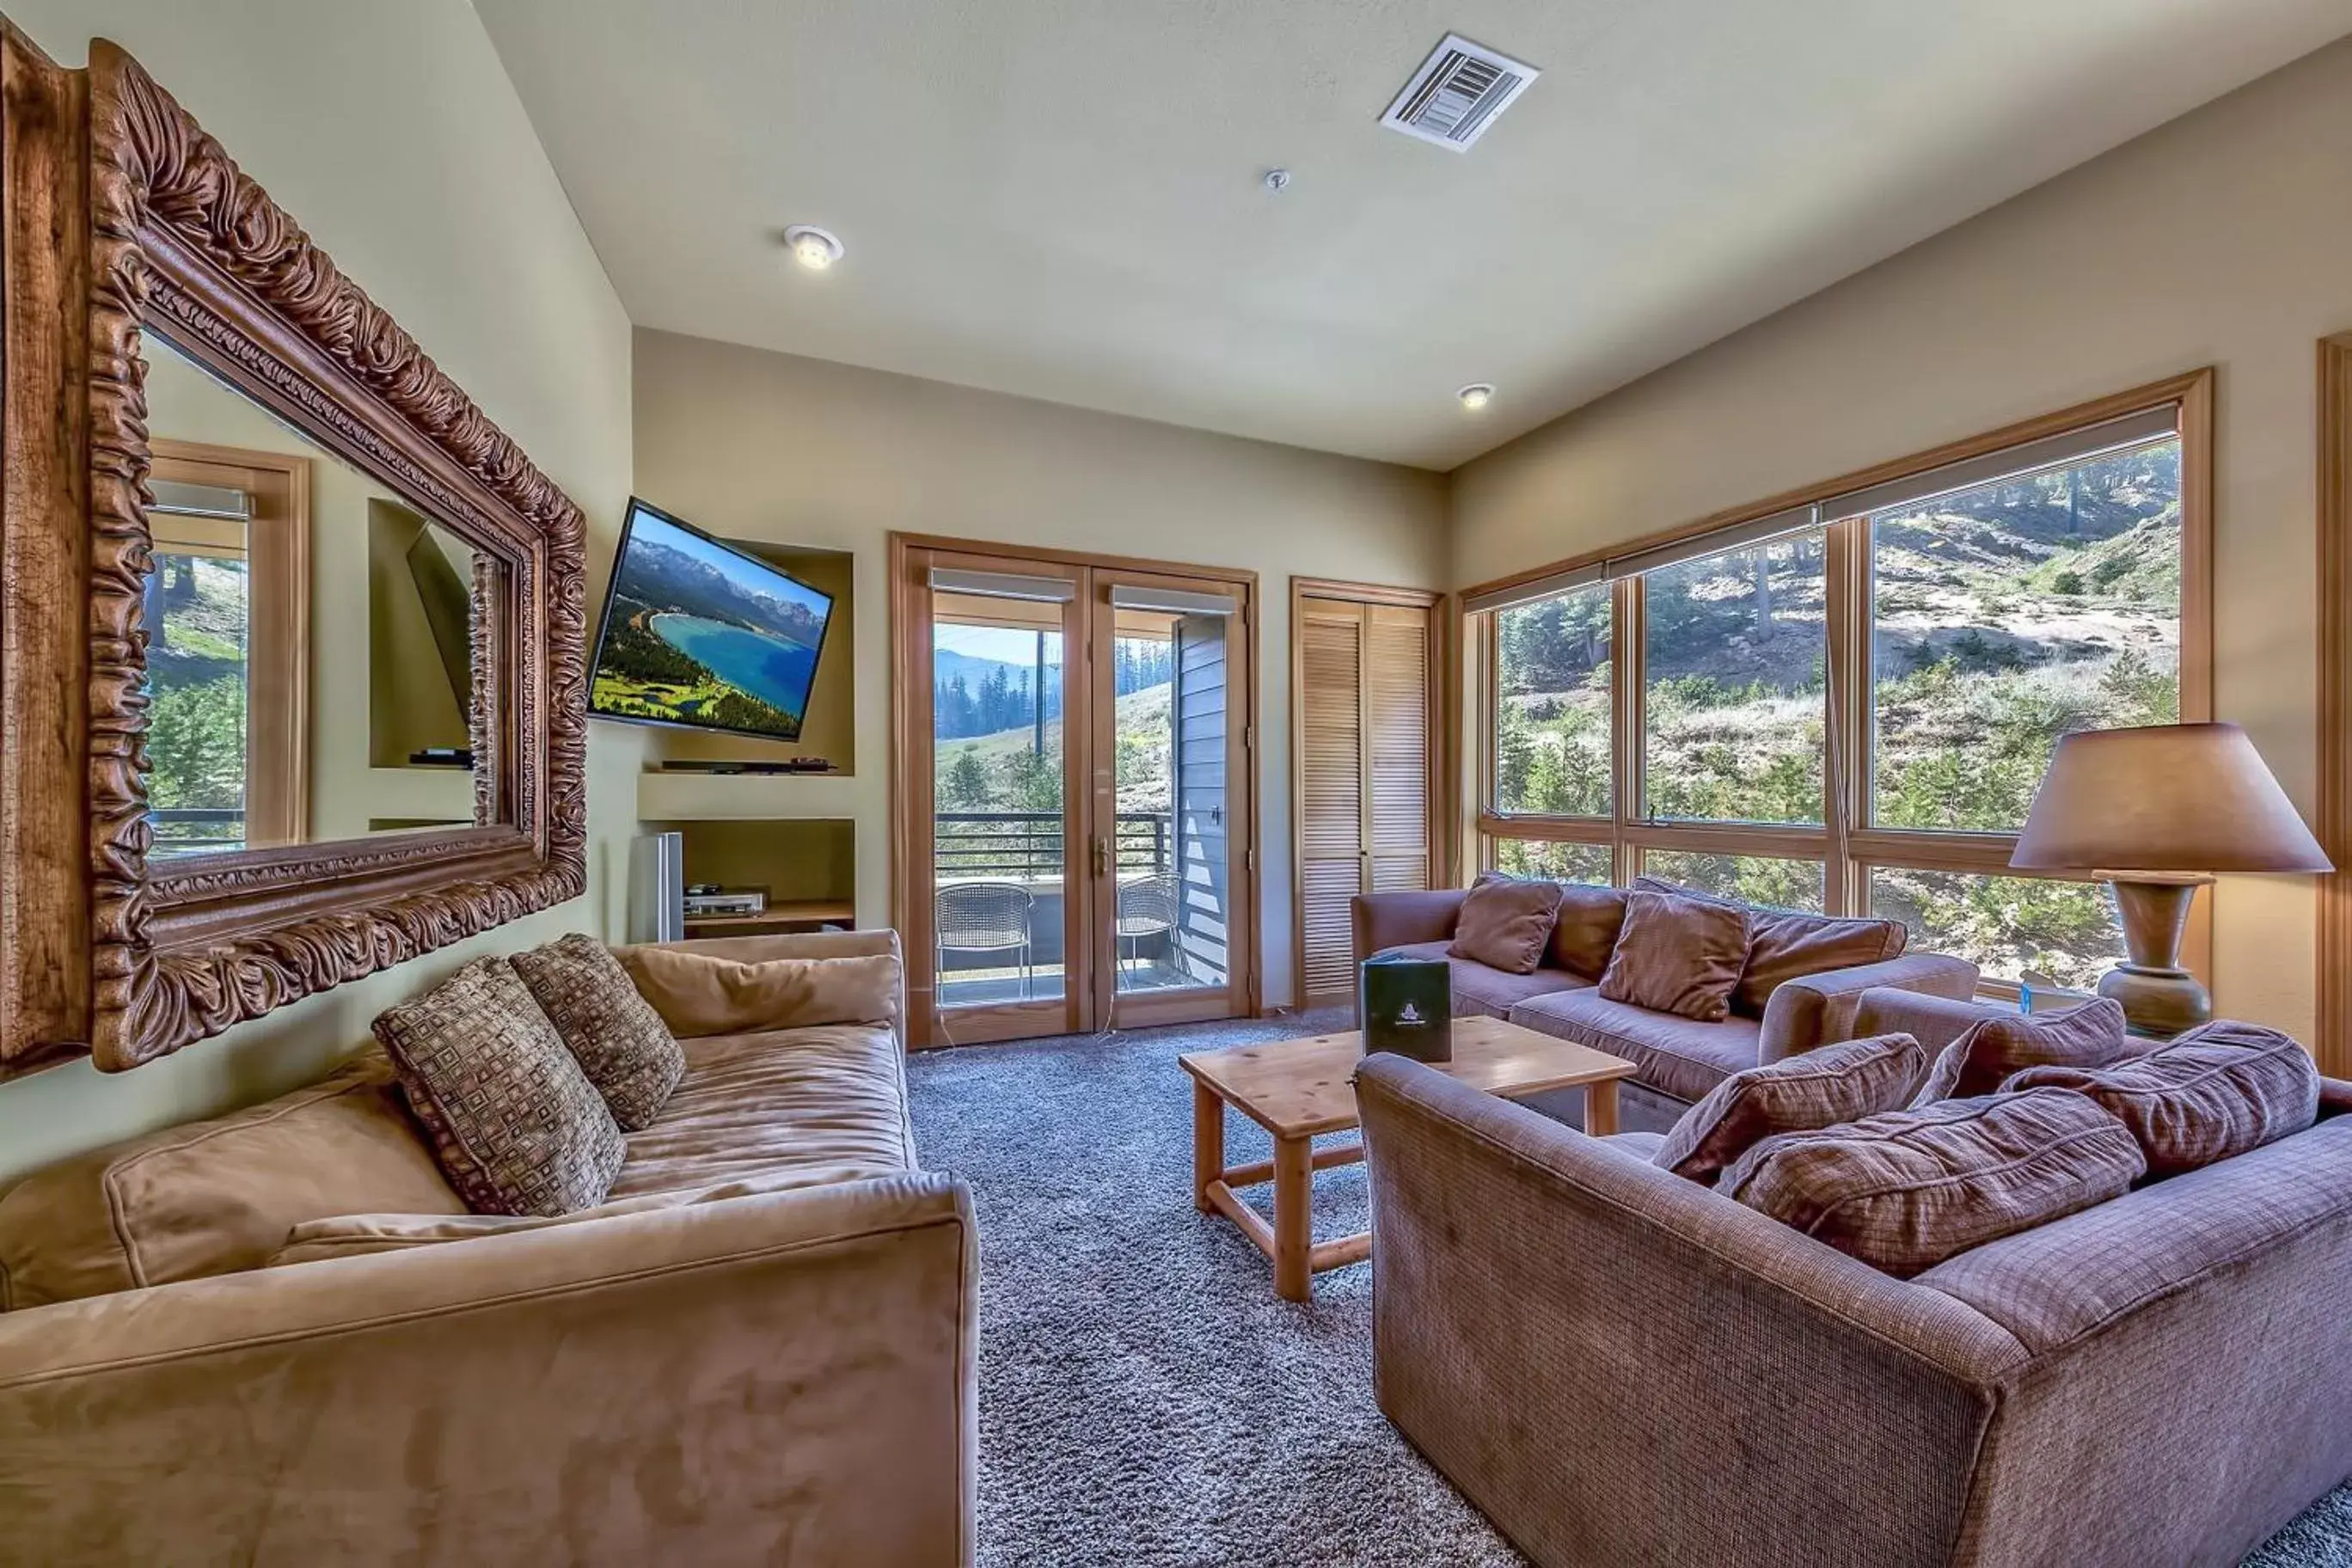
x,y
1407,1006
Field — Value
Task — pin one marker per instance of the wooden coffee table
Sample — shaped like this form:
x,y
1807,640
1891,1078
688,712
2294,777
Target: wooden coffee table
x,y
1297,1089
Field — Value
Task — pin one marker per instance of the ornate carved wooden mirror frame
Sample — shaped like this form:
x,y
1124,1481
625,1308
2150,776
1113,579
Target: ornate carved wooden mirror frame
x,y
178,238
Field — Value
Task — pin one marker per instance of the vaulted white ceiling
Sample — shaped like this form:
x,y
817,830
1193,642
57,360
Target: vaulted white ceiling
x,y
1063,198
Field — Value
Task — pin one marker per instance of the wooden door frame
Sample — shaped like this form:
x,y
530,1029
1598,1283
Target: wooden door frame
x,y
910,720
2334,943
1444,745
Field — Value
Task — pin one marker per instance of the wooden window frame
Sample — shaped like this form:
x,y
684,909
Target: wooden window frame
x,y
278,651
1846,841
2334,936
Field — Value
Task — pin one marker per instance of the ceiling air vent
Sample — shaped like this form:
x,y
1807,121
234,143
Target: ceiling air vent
x,y
1457,93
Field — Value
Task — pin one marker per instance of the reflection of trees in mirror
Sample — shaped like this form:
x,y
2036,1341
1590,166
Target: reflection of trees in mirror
x,y
196,679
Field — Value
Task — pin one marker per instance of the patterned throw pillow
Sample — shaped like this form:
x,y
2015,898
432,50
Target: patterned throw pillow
x,y
2088,1036
516,1125
621,1042
1505,922
1677,955
1821,1088
1907,1189
2211,1094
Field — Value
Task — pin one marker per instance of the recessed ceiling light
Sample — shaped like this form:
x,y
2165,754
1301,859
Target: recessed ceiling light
x,y
1475,396
812,247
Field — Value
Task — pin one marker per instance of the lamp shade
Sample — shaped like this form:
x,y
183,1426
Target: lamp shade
x,y
2170,797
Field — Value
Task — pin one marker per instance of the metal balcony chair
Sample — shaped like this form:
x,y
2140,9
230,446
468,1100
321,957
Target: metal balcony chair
x,y
985,917
1147,912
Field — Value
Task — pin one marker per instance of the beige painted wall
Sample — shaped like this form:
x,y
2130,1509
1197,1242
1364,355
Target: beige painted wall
x,y
753,445
393,135
2222,239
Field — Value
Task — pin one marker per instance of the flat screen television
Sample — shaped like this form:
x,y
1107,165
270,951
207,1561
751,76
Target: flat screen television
x,y
702,634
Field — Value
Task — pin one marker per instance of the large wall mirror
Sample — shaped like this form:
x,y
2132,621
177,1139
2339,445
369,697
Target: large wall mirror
x,y
332,635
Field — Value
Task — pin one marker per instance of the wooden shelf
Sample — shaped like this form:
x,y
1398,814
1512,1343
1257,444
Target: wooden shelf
x,y
718,797
781,916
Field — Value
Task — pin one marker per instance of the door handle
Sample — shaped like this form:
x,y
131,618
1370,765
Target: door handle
x,y
1102,856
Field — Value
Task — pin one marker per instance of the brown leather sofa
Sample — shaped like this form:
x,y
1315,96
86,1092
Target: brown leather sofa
x,y
759,1350
1677,1061
1618,1365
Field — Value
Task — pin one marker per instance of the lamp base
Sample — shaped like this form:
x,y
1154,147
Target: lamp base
x,y
2158,996
2157,1002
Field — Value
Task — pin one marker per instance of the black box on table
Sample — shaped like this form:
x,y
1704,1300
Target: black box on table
x,y
1407,1006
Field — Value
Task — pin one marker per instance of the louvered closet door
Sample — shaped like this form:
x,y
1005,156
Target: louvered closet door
x,y
1396,747
1330,790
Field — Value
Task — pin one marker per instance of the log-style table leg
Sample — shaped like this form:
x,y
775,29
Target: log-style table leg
x,y
1208,1143
1294,1241
1600,1108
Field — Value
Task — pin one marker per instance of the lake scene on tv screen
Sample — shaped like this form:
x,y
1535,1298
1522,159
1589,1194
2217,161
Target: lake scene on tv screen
x,y
696,634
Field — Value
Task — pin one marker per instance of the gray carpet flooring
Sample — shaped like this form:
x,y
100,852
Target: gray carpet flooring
x,y
1146,1401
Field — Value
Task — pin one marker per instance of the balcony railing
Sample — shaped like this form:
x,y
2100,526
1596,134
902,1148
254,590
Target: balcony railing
x,y
1026,846
182,830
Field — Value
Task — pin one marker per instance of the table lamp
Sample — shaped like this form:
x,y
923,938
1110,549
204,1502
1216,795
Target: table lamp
x,y
2171,804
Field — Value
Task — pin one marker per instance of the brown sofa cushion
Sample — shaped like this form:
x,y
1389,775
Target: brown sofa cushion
x,y
1907,1189
1584,932
1505,922
2087,1036
1785,944
1677,955
515,1123
1677,1056
2211,1094
1822,1088
216,1197
620,1042
701,994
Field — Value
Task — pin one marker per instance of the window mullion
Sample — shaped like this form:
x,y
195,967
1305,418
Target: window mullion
x,y
1626,611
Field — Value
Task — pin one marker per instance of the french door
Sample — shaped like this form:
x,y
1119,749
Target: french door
x,y
1072,792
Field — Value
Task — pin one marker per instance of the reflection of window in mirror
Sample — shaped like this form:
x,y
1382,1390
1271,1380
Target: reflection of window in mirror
x,y
227,613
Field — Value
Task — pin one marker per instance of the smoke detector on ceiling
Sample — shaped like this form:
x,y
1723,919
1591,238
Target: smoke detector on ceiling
x,y
1460,91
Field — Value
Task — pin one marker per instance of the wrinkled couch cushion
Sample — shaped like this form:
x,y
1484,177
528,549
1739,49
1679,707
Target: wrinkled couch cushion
x,y
1786,944
1584,932
827,1103
1505,922
516,1125
1677,955
620,1042
217,1196
360,1235
1907,1189
702,993
1822,1088
2211,1094
1983,1057
1679,1056
1478,989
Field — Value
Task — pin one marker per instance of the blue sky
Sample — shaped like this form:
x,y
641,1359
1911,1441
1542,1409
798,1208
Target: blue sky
x,y
1012,645
656,530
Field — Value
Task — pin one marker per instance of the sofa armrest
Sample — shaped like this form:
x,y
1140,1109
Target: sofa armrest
x,y
1383,921
711,1383
1821,1009
1531,1285
2335,1097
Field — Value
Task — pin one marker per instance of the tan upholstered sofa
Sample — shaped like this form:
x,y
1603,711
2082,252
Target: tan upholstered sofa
x,y
759,1350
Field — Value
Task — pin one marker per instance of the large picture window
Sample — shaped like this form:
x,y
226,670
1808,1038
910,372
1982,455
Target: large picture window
x,y
1847,704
